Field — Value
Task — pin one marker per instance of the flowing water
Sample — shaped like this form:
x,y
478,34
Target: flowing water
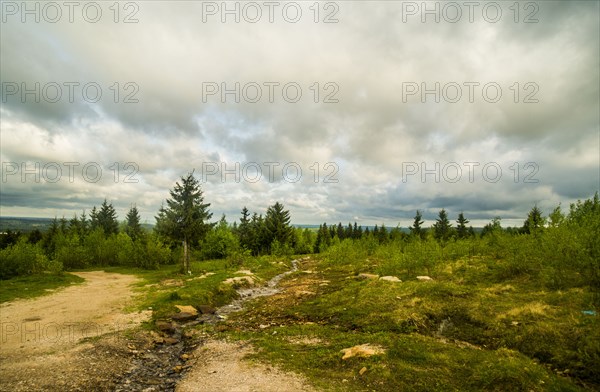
x,y
153,369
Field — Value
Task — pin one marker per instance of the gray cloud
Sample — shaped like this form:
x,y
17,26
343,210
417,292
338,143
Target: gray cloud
x,y
370,55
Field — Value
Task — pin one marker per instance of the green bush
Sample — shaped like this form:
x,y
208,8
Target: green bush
x,y
24,258
156,254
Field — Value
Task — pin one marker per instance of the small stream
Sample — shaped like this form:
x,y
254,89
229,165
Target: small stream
x,y
247,294
153,368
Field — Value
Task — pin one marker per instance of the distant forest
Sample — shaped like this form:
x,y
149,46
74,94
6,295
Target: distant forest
x,y
184,231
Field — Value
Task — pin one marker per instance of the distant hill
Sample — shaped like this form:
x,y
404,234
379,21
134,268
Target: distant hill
x,y
25,225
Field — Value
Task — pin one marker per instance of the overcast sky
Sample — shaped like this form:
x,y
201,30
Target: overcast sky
x,y
343,119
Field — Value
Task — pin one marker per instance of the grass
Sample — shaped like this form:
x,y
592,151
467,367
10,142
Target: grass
x,y
35,285
164,288
469,329
466,330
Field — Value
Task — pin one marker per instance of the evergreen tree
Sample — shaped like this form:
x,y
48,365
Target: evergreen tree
x,y
355,233
243,230
133,228
534,221
84,225
442,229
359,232
416,230
383,235
323,238
107,219
461,228
63,225
340,231
185,217
49,240
348,231
94,219
277,224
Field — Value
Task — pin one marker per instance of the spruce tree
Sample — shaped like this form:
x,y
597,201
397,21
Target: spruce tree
x,y
277,224
186,216
133,228
243,230
534,221
461,228
442,229
415,230
107,219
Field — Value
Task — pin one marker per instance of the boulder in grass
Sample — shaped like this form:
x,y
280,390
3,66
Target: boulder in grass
x,y
363,350
390,279
424,278
187,309
368,276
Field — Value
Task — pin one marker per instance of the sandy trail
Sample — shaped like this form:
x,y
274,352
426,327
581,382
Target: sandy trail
x,y
39,336
221,367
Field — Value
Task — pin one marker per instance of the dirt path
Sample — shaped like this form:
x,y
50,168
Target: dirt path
x,y
40,342
221,367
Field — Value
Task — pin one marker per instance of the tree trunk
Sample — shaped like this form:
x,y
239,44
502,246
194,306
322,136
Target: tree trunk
x,y
186,258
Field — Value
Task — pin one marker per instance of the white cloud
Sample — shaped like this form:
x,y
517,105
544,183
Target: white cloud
x,y
370,133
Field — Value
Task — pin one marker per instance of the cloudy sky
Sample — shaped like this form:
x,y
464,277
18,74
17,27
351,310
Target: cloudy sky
x,y
343,111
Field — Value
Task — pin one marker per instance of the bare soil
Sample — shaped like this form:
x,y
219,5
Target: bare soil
x,y
71,339
221,367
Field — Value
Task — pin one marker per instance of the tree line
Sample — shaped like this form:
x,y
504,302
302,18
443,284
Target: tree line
x,y
184,231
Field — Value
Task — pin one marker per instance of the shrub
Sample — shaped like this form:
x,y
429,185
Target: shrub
x,y
24,258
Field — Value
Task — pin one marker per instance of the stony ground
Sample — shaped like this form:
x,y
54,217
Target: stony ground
x,y
221,367
69,340
81,338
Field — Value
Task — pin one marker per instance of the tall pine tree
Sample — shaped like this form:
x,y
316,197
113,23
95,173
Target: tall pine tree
x,y
133,228
277,223
462,231
442,229
416,230
185,217
107,219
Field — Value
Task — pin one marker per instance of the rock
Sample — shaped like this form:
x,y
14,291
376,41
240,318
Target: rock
x,y
187,309
171,340
424,278
207,309
240,280
368,276
362,371
203,276
184,357
183,316
390,279
172,282
302,293
363,350
244,272
165,326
